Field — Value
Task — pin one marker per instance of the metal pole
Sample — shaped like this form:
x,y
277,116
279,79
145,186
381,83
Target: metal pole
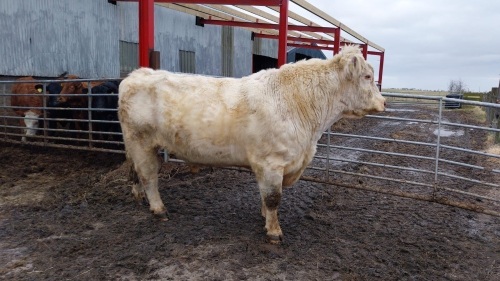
x,y
89,115
438,143
365,51
44,99
328,154
4,113
336,44
146,31
494,124
283,33
381,70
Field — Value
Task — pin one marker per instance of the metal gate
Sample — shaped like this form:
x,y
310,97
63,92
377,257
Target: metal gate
x,y
86,127
416,149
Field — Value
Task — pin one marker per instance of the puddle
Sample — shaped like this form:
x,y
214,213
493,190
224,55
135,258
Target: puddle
x,y
448,133
390,123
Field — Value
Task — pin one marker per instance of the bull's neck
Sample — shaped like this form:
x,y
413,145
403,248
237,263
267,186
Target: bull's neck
x,y
328,110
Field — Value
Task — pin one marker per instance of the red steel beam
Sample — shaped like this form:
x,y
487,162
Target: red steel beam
x,y
146,31
307,40
283,32
270,25
381,69
296,39
221,2
310,46
336,44
364,47
380,66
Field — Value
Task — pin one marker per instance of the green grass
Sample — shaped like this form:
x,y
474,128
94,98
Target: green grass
x,y
473,96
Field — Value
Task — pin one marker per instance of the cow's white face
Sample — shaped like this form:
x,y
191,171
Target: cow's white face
x,y
362,94
31,123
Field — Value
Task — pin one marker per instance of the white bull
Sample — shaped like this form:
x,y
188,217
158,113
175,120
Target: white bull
x,y
269,121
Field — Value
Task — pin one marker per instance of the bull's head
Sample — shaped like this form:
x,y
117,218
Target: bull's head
x,y
361,95
52,89
69,88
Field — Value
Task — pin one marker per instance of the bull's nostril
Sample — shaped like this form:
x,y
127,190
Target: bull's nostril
x,y
385,104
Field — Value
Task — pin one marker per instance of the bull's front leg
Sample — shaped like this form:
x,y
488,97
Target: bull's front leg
x,y
270,186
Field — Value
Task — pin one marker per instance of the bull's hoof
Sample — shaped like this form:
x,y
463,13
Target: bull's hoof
x,y
274,239
141,201
140,198
163,215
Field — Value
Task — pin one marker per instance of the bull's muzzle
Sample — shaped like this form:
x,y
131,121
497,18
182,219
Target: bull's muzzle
x,y
61,99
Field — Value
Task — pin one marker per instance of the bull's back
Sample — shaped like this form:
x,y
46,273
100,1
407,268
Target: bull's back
x,y
193,117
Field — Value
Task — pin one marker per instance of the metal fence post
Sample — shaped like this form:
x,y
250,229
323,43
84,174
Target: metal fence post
x,y
438,143
89,115
3,110
328,154
44,104
494,124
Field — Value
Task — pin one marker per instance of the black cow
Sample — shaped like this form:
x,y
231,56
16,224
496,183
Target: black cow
x,y
104,109
53,90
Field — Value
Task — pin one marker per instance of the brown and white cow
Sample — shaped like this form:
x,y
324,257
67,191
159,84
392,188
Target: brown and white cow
x,y
269,121
28,97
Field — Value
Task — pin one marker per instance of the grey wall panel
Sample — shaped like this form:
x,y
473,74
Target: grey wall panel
x,y
242,52
176,31
128,21
266,47
227,51
49,37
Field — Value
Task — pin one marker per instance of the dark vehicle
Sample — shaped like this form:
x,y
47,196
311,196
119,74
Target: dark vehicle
x,y
453,104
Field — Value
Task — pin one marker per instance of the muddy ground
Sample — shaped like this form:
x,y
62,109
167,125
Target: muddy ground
x,y
70,215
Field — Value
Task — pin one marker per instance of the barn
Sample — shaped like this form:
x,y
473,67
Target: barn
x,y
411,193
96,39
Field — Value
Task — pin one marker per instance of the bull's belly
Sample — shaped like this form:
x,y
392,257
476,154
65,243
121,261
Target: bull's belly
x,y
209,155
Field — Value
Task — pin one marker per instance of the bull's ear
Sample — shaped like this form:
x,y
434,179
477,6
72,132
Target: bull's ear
x,y
353,67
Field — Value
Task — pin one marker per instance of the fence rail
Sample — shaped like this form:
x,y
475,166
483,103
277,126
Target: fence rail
x,y
369,158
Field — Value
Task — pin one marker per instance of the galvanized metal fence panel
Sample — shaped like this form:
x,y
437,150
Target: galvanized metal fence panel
x,y
406,151
94,134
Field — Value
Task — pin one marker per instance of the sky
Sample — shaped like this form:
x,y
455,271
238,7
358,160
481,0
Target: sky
x,y
428,43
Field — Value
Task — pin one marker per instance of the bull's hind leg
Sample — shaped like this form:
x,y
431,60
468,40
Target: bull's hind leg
x,y
137,190
270,186
146,166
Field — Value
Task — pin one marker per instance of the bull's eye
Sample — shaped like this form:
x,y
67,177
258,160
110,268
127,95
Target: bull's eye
x,y
368,77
